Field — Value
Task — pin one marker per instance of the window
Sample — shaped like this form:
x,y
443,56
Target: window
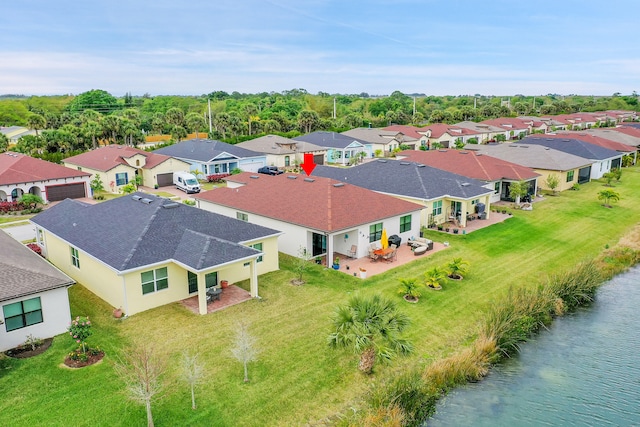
x,y
22,314
122,178
40,236
570,176
496,187
437,208
405,223
242,216
210,280
287,161
258,246
75,258
204,169
154,280
375,232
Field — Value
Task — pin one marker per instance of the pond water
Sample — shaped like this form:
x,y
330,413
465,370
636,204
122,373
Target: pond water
x,y
583,371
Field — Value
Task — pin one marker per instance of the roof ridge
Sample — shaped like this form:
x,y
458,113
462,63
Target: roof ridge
x,y
133,250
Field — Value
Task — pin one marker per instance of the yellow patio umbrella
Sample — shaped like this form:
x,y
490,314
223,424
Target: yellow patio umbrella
x,y
384,241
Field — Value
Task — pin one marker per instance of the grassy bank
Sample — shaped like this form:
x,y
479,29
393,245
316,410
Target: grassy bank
x,y
297,378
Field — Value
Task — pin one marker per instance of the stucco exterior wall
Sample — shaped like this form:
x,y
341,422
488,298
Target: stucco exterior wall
x,y
109,176
562,179
6,190
149,176
55,315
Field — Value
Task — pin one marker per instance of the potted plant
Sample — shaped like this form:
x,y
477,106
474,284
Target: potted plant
x,y
447,229
440,227
224,284
336,263
455,231
117,313
363,273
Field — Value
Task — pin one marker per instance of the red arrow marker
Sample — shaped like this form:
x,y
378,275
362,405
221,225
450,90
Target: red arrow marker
x,y
308,165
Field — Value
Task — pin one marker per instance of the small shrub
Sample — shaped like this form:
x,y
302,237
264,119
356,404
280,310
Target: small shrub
x,y
80,330
35,248
189,202
577,286
32,342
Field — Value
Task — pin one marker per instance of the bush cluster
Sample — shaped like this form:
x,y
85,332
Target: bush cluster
x,y
218,177
7,207
35,248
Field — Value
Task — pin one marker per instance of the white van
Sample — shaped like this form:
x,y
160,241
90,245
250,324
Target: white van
x,y
186,182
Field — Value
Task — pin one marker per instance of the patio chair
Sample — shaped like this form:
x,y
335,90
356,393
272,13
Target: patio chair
x,y
373,256
390,256
353,252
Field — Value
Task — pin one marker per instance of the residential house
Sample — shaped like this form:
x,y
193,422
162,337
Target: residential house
x,y
441,135
20,174
514,128
284,152
141,251
486,132
410,132
568,168
118,165
211,157
14,133
497,173
602,159
445,196
340,148
383,142
321,216
599,141
33,295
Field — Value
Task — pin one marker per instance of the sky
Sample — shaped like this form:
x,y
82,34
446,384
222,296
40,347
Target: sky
x,y
436,47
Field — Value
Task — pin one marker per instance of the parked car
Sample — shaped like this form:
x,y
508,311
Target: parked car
x,y
270,170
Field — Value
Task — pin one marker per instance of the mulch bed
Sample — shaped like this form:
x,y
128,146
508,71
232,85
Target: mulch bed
x,y
91,360
26,352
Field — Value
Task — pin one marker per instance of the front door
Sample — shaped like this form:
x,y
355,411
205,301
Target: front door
x,y
319,244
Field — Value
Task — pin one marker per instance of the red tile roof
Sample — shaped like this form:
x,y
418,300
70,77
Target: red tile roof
x,y
107,158
16,168
411,131
509,123
628,130
470,164
439,129
318,203
593,139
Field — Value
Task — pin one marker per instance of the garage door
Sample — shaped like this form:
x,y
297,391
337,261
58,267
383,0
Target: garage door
x,y
251,166
165,179
318,159
68,191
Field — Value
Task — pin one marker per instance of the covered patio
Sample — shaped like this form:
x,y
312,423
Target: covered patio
x,y
231,295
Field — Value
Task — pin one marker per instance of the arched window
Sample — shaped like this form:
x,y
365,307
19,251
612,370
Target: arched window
x,y
287,161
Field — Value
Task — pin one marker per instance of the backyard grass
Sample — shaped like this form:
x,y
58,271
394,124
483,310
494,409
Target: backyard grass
x,y
297,378
13,218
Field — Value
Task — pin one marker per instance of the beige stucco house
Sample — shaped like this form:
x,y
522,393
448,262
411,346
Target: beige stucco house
x,y
153,251
117,165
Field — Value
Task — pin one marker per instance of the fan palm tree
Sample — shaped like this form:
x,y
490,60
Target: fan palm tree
x,y
371,326
456,268
435,277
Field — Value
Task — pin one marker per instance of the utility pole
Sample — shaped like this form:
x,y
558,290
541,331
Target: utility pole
x,y
210,128
334,108
414,106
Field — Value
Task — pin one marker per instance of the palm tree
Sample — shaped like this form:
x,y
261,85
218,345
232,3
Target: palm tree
x,y
195,123
456,268
371,326
409,289
36,122
435,277
608,196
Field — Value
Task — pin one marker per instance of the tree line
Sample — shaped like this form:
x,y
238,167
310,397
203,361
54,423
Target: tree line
x,y
67,124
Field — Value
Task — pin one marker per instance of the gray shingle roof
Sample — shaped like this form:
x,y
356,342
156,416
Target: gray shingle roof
x,y
533,156
573,146
204,150
24,272
275,144
406,179
126,233
329,139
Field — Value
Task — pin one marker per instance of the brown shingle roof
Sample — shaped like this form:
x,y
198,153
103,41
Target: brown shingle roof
x,y
16,168
107,158
471,164
321,204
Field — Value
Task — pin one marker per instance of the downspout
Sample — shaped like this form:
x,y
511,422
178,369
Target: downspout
x,y
126,300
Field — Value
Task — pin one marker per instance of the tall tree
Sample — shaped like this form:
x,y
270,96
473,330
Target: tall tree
x,y
308,120
195,123
36,122
371,326
174,116
4,142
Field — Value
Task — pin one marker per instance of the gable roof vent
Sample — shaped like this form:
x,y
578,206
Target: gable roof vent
x,y
136,197
146,201
309,180
292,176
339,184
254,177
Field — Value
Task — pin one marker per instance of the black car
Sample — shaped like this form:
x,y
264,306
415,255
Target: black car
x,y
270,170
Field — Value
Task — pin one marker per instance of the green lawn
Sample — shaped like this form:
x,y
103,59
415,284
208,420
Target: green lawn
x,y
13,218
297,378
